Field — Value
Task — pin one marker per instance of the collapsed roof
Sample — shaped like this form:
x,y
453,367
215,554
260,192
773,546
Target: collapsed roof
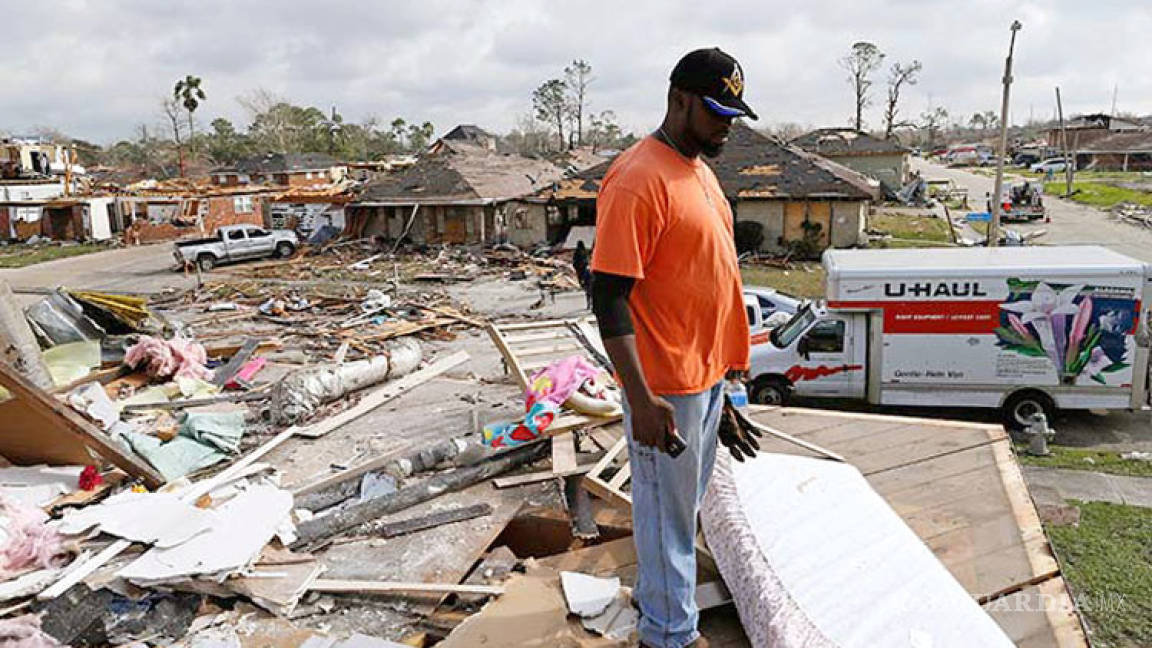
x,y
463,173
846,141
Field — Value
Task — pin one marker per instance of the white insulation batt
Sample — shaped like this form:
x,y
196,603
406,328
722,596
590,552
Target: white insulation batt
x,y
814,557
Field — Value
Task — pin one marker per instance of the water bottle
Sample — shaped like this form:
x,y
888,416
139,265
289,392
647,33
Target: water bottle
x,y
736,392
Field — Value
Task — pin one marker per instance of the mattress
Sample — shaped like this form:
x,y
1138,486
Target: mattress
x,y
814,557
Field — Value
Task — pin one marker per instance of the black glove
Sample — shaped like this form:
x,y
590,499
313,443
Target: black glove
x,y
737,433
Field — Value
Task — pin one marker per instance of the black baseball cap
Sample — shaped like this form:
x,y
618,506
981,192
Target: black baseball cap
x,y
717,78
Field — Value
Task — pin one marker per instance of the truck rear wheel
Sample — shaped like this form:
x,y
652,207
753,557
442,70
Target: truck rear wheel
x,y
206,262
1021,406
769,391
284,250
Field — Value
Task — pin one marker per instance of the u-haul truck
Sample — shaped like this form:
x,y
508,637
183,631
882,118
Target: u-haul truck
x,y
1024,329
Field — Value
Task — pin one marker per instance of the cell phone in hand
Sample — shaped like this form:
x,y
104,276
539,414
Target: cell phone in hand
x,y
675,445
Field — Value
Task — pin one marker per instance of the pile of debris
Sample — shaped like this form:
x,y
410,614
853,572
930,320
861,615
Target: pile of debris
x,y
372,260
151,492
1134,213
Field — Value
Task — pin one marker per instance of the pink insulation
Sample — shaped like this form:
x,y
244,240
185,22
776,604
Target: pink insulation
x,y
24,632
167,359
25,540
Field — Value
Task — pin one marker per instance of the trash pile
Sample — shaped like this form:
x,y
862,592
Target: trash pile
x,y
1134,213
226,465
368,260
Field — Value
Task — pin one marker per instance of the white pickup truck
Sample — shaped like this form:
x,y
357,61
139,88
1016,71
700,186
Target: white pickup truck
x,y
236,243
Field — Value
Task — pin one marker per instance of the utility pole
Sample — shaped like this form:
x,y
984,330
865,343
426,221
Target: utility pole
x,y
994,225
1064,142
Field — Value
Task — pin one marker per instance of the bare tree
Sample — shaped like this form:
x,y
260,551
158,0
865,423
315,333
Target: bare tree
x,y
171,109
578,77
275,123
934,120
550,103
899,76
788,131
861,62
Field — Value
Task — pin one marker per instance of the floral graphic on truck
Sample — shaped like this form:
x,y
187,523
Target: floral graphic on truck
x,y
1080,329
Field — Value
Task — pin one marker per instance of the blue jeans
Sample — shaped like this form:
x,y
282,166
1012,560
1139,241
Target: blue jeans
x,y
666,496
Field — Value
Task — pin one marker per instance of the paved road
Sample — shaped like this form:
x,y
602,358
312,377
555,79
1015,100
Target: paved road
x,y
143,269
1072,223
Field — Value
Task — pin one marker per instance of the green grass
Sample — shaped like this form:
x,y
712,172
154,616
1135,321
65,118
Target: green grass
x,y
1100,194
797,282
19,256
1107,562
1077,459
911,227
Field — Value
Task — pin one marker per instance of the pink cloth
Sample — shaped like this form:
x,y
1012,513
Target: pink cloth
x,y
24,632
167,359
27,541
559,380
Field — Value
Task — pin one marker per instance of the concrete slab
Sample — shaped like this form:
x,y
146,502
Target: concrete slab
x,y
1088,486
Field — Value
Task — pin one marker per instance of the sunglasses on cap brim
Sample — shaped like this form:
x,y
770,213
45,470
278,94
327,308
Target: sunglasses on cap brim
x,y
720,109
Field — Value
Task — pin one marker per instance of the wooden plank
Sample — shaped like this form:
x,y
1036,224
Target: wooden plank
x,y
605,438
567,349
359,469
224,373
333,586
551,334
509,358
620,477
537,477
382,395
23,445
563,453
601,489
1040,616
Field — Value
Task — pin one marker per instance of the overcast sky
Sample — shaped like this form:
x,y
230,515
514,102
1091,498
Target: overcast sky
x,y
96,69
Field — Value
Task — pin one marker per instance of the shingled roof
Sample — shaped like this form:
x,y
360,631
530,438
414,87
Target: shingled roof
x,y
462,173
753,165
845,141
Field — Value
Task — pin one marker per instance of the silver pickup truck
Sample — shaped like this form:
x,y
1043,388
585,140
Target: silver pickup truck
x,y
236,243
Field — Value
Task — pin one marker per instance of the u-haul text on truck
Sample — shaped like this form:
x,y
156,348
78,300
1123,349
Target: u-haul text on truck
x,y
1024,329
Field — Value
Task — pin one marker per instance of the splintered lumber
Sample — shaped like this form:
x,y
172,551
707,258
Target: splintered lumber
x,y
579,507
439,518
225,373
318,529
537,477
390,587
384,394
48,431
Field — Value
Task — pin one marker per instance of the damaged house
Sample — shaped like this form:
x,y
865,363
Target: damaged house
x,y
883,160
793,196
457,192
281,169
175,209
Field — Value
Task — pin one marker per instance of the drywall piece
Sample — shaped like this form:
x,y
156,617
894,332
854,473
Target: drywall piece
x,y
162,519
242,527
28,584
588,596
616,622
39,485
815,557
92,400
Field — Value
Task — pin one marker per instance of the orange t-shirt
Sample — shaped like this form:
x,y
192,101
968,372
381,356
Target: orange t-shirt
x,y
664,221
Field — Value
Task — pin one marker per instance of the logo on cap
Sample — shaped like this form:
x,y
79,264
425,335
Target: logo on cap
x,y
734,82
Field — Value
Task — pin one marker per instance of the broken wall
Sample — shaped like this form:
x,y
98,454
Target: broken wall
x,y
842,221
527,223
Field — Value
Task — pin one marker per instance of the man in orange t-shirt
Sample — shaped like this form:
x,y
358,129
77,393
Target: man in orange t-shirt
x,y
667,294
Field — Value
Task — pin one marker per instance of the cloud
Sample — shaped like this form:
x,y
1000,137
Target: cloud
x,y
97,69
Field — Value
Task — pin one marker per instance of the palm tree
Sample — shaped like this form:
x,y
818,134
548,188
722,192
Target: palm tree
x,y
189,93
